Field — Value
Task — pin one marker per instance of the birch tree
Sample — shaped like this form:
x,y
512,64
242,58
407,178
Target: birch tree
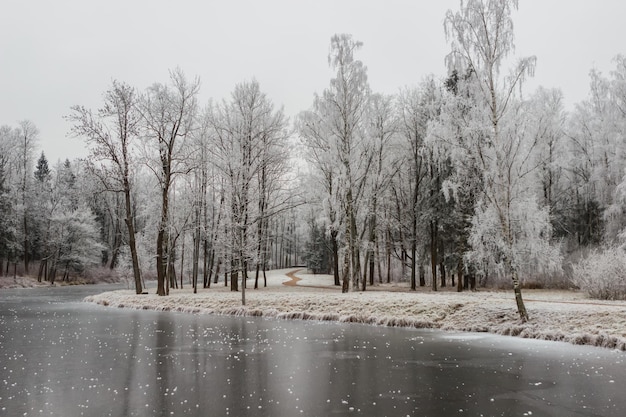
x,y
341,113
481,36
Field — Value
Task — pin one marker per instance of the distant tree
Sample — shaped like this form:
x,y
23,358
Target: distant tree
x,y
8,241
317,249
27,136
315,136
416,109
596,131
42,203
382,127
75,240
42,172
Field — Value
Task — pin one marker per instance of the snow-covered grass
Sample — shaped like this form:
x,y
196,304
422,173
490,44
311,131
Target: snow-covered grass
x,y
555,315
20,282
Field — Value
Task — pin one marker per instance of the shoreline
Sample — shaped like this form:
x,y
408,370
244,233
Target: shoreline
x,y
564,316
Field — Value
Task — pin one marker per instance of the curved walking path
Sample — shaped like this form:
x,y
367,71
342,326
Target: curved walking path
x,y
294,278
294,282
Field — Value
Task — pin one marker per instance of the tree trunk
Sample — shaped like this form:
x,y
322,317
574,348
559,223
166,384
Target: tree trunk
x,y
182,261
413,264
196,260
459,277
335,250
433,253
345,286
234,276
378,262
521,308
388,255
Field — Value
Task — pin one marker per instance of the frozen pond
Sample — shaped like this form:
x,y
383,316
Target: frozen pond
x,y
61,357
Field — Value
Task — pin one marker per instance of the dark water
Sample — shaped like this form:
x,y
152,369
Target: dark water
x,y
60,357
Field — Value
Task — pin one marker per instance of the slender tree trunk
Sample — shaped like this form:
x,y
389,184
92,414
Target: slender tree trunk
x,y
372,243
388,255
26,243
442,267
196,255
413,263
459,280
345,285
433,253
182,260
335,250
378,262
161,258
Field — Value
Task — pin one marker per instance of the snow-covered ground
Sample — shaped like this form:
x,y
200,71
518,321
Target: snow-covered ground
x,y
21,282
555,315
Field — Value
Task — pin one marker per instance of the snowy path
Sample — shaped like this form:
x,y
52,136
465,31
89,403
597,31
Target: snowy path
x,y
294,279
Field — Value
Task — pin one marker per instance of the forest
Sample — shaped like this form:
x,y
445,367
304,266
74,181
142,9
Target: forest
x,y
458,181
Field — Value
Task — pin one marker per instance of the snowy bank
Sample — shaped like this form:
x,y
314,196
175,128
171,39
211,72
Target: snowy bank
x,y
554,315
21,282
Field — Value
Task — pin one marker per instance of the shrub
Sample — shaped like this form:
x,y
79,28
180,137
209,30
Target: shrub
x,y
602,275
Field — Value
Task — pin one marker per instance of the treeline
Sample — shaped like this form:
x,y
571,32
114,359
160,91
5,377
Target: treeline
x,y
462,177
169,189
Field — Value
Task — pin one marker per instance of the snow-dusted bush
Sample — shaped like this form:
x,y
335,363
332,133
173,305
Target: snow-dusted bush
x,y
602,274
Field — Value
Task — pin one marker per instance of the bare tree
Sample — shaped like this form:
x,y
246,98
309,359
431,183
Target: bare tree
x,y
27,136
249,152
110,134
168,114
382,127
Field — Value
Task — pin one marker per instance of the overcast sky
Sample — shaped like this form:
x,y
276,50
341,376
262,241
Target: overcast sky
x,y
55,54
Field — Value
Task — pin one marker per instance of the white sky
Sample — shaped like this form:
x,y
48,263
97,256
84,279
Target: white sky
x,y
55,54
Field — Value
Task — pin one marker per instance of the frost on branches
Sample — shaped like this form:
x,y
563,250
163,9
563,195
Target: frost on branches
x,y
602,275
528,230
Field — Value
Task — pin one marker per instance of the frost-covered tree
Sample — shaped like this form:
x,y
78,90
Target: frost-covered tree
x,y
596,131
75,239
382,126
323,187
111,134
168,113
547,130
481,36
26,138
337,121
416,110
8,241
248,148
